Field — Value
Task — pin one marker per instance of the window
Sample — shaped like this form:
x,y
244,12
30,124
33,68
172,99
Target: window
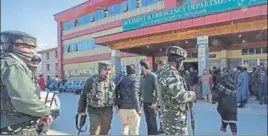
x,y
132,4
56,66
251,51
264,50
76,23
124,6
250,63
99,14
258,50
56,54
245,51
212,55
47,54
106,13
48,67
138,3
80,46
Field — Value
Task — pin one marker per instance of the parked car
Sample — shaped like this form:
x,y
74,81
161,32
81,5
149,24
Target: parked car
x,y
80,87
69,86
53,104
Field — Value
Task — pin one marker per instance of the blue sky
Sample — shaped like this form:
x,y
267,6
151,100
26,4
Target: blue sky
x,y
34,17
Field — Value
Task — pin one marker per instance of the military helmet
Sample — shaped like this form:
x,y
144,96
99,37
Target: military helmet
x,y
9,38
105,65
176,50
36,58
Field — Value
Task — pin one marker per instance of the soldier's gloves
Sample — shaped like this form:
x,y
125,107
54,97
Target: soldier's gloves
x,y
80,115
46,120
138,112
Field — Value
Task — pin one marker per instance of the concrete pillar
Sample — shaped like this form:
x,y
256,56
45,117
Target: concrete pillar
x,y
116,60
223,59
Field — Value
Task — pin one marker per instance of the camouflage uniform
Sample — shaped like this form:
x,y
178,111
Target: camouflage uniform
x,y
20,104
174,97
99,97
158,73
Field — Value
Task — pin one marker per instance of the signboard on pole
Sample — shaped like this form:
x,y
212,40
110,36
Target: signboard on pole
x,y
203,53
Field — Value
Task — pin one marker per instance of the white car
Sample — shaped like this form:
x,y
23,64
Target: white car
x,y
53,104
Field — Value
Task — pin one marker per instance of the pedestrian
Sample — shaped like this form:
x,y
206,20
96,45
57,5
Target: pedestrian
x,y
206,81
193,81
262,84
227,107
22,107
242,87
128,100
160,67
149,96
41,82
98,97
174,96
33,65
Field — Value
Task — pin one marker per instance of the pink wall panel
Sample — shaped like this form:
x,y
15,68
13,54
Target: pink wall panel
x,y
165,27
175,25
223,17
210,19
156,29
264,9
147,30
170,3
238,14
199,21
187,23
253,11
138,32
93,29
87,59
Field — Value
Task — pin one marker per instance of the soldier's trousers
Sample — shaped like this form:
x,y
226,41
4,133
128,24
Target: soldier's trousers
x,y
100,120
27,131
174,123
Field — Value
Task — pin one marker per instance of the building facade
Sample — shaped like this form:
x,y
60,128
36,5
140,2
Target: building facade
x,y
105,30
49,64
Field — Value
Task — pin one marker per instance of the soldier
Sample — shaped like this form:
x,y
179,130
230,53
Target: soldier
x,y
99,97
33,65
174,97
21,107
160,67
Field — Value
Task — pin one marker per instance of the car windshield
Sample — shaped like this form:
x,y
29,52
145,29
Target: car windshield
x,y
83,82
76,82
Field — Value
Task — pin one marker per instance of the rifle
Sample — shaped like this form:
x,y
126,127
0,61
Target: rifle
x,y
192,117
42,128
81,122
190,104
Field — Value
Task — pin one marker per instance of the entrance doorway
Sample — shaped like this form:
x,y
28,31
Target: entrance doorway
x,y
188,65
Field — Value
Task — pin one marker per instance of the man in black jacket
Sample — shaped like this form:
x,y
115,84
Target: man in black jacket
x,y
128,100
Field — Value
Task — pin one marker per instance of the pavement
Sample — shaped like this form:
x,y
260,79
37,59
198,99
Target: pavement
x,y
252,120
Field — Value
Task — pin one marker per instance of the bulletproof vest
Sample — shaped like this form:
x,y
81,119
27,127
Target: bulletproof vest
x,y
102,93
167,100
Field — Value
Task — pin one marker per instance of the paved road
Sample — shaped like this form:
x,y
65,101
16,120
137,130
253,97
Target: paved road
x,y
252,120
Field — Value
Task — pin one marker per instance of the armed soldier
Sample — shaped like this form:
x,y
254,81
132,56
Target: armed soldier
x,y
99,97
174,97
160,67
21,107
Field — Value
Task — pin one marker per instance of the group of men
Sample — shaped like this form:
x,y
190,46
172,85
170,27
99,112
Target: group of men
x,y
164,91
22,111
